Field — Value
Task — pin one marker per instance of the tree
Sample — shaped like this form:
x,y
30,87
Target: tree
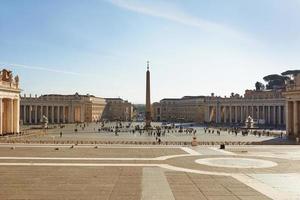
x,y
290,73
275,81
259,86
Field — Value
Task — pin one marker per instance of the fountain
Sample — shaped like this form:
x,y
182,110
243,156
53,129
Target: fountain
x,y
249,123
44,122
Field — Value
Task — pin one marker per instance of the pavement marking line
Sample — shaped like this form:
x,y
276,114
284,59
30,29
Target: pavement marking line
x,y
265,147
222,151
180,169
190,151
164,166
96,159
108,146
81,164
233,162
261,187
155,185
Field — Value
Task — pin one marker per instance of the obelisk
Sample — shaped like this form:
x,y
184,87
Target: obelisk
x,y
148,100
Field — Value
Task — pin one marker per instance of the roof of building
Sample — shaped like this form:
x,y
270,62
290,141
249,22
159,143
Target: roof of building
x,y
117,98
172,99
76,94
183,98
193,97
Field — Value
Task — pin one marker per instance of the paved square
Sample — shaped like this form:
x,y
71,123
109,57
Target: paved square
x,y
145,172
91,134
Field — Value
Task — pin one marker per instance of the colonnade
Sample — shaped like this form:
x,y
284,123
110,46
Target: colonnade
x,y
264,114
293,118
9,115
33,114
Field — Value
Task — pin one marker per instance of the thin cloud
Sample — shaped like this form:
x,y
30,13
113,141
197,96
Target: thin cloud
x,y
45,69
179,16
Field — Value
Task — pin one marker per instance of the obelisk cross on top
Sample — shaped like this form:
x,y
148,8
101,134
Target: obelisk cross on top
x,y
148,99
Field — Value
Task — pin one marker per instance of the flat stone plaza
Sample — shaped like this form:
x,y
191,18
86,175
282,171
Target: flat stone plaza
x,y
93,161
34,171
90,134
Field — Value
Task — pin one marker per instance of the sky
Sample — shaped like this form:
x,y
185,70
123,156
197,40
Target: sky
x,y
100,47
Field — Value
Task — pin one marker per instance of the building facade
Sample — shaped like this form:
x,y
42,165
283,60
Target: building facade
x,y
185,109
9,103
265,107
61,108
117,109
292,95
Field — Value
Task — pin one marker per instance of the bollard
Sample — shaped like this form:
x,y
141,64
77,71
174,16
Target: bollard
x,y
194,141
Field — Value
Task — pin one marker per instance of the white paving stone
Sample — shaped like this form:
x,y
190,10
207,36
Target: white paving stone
x,y
285,184
155,185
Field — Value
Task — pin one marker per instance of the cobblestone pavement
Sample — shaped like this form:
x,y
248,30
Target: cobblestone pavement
x,y
148,172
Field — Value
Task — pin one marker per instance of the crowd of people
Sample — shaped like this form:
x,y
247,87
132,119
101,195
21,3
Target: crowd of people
x,y
160,131
243,131
157,131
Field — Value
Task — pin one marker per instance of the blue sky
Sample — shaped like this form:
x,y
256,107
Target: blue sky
x,y
195,47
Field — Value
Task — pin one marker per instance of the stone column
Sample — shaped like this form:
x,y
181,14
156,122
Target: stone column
x,y
225,114
16,115
216,117
296,123
283,115
257,112
35,114
235,113
69,114
63,116
230,114
41,113
287,126
219,113
264,114
71,120
249,110
279,115
11,116
47,113
24,114
1,115
242,114
30,112
269,114
206,114
82,113
274,116
52,114
58,114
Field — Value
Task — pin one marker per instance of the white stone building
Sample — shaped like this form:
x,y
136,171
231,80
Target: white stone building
x,y
9,103
61,108
292,95
265,107
118,109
